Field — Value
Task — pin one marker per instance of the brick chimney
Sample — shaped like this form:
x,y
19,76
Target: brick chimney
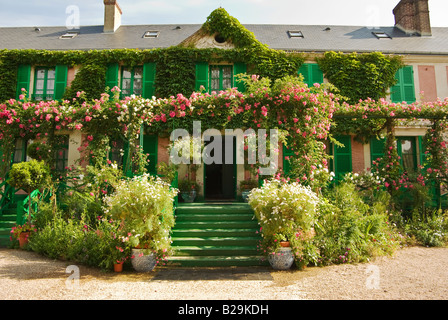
x,y
112,16
412,16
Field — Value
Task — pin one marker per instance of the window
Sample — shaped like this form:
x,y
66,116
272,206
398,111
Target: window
x,y
132,81
295,34
151,34
221,77
20,151
117,152
69,35
44,83
406,148
381,35
61,156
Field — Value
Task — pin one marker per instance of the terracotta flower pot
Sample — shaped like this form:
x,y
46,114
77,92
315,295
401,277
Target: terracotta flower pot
x,y
118,267
23,239
285,244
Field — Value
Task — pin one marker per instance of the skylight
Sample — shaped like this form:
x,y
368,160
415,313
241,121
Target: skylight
x,y
69,35
381,35
151,34
295,34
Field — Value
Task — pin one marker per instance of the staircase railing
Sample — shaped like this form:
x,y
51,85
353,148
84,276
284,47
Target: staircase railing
x,y
25,207
7,195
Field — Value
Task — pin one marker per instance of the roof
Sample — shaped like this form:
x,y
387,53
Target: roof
x,y
316,38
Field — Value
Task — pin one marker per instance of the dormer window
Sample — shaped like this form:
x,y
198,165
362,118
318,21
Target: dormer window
x,y
69,35
295,34
151,34
381,35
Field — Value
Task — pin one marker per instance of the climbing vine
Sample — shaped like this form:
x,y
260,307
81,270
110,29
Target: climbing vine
x,y
359,77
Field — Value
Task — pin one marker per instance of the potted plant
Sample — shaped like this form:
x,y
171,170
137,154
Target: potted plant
x,y
144,205
246,187
286,211
22,233
188,189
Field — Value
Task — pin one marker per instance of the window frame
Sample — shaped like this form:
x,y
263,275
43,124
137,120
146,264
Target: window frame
x,y
132,79
64,148
45,96
413,140
221,76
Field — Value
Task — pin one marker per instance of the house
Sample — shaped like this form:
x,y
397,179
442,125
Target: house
x,y
424,50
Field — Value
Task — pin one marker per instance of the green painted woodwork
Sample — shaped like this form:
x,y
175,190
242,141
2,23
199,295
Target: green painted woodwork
x,y
239,68
342,160
149,76
311,74
202,76
112,75
23,79
286,163
215,235
376,149
404,89
150,146
60,83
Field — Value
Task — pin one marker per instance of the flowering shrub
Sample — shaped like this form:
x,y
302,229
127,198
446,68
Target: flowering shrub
x,y
349,230
144,204
285,211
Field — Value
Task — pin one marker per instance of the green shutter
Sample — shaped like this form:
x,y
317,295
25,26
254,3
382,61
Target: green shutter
x,y
202,76
317,75
237,69
150,146
287,152
421,149
149,77
311,74
112,75
23,79
343,157
404,89
304,72
377,148
60,81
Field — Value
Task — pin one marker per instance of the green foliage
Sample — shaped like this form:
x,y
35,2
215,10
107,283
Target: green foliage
x,y
230,29
39,151
360,76
90,79
430,230
349,230
29,175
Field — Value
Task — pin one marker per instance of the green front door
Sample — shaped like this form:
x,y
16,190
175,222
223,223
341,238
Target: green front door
x,y
150,147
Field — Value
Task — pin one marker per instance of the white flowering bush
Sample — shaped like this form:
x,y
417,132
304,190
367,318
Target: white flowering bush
x,y
366,180
144,204
285,211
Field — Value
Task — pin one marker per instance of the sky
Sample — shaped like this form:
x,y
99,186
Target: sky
x,y
370,13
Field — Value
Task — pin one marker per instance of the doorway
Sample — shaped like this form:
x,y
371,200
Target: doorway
x,y
220,175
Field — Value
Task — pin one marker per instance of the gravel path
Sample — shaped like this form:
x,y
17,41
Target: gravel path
x,y
412,273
